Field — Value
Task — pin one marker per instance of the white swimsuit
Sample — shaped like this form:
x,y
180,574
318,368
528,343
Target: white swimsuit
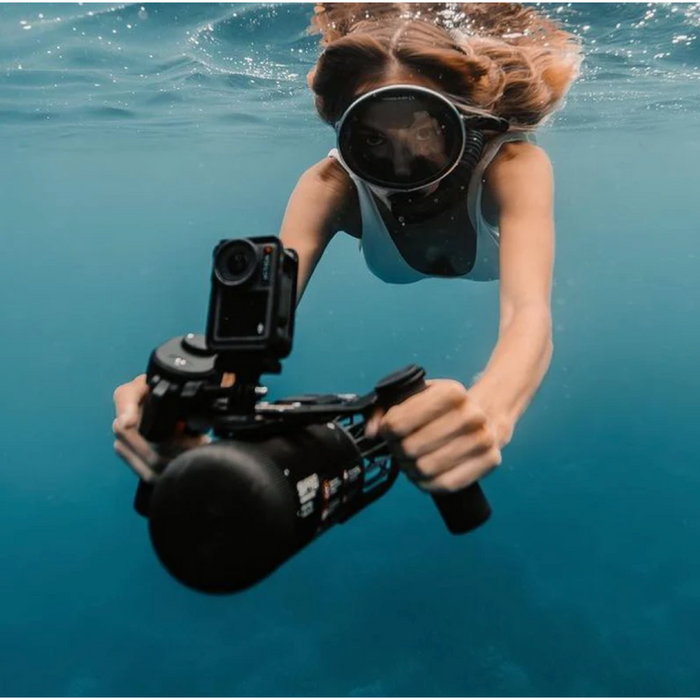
x,y
384,259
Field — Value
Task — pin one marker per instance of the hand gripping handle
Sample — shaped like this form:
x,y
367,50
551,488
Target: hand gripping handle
x,y
463,510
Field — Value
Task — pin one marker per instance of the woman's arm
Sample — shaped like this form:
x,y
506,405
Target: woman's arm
x,y
323,203
449,436
521,182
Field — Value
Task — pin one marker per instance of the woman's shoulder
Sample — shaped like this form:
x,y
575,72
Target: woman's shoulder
x,y
521,172
327,185
519,160
328,173
522,154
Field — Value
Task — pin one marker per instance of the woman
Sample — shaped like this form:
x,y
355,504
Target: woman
x,y
437,174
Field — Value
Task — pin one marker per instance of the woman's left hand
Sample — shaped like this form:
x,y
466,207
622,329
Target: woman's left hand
x,y
444,437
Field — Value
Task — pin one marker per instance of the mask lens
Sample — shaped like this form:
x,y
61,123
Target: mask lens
x,y
401,138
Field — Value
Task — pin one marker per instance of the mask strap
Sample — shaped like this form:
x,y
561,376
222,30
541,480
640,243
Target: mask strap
x,y
486,123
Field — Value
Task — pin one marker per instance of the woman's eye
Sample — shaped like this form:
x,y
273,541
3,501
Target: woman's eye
x,y
425,133
374,140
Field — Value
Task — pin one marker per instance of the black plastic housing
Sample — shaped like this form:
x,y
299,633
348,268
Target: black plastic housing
x,y
253,298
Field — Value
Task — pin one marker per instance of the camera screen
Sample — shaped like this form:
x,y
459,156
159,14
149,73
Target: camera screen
x,y
242,315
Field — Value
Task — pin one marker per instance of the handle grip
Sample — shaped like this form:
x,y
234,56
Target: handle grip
x,y
462,511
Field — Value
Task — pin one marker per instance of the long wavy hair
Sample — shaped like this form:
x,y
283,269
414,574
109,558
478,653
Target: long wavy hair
x,y
502,58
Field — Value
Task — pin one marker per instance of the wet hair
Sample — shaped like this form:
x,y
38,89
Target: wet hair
x,y
504,58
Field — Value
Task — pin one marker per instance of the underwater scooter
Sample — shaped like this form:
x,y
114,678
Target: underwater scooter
x,y
225,515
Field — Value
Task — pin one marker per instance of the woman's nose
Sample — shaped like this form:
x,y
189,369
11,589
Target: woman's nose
x,y
403,158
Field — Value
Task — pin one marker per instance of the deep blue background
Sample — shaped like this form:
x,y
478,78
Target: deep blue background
x,y
587,580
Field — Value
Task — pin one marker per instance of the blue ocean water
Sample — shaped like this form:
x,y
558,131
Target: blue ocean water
x,y
133,138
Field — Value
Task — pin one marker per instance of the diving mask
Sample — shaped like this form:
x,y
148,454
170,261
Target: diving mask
x,y
403,138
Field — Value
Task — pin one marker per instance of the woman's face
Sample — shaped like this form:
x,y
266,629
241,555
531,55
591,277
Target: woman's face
x,y
403,139
407,138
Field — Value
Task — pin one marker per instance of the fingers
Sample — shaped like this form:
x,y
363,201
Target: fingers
x,y
374,422
439,398
134,443
132,438
130,445
458,460
450,455
127,401
133,460
443,430
142,456
454,453
463,475
146,459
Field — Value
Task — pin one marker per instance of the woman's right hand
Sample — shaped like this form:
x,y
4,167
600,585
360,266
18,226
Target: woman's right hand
x,y
142,456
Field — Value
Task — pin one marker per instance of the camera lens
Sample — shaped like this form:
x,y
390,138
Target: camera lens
x,y
236,262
